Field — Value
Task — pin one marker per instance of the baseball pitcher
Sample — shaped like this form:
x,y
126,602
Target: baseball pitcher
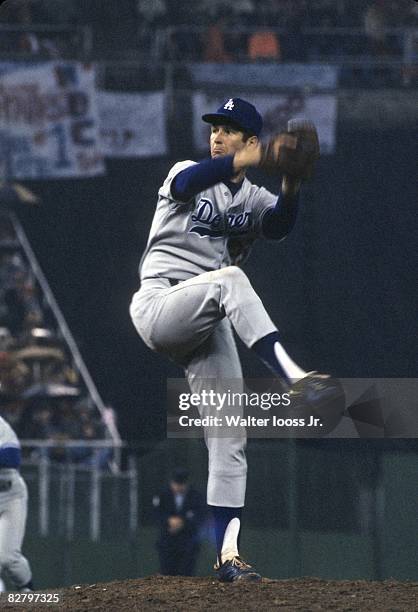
x,y
13,511
193,293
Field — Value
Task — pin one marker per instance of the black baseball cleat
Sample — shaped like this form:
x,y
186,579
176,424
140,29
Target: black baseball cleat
x,y
236,570
319,396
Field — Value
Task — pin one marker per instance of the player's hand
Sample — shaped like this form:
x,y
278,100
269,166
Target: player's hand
x,y
249,155
175,524
253,154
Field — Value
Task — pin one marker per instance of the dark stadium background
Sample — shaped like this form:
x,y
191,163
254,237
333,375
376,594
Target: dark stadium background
x,y
342,287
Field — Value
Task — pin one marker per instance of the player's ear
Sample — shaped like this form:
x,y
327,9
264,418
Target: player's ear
x,y
253,140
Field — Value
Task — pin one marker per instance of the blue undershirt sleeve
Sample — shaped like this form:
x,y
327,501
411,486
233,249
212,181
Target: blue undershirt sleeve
x,y
10,457
278,221
194,179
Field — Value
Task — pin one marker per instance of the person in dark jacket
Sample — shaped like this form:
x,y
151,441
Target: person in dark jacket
x,y
181,511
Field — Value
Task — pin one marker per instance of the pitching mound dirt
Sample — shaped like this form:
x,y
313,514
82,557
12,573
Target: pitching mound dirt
x,y
190,594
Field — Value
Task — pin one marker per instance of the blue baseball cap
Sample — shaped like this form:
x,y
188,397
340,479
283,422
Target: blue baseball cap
x,y
239,112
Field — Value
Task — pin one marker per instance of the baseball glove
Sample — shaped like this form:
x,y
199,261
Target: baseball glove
x,y
278,156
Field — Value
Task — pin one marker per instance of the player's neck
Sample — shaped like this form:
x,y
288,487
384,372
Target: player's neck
x,y
238,178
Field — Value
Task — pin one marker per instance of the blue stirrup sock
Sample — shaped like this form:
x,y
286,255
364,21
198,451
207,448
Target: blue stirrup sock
x,y
272,353
227,530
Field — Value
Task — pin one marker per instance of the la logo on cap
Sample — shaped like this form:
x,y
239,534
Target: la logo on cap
x,y
229,105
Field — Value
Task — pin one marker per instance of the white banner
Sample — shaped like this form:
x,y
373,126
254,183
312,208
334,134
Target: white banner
x,y
276,110
48,121
319,76
132,124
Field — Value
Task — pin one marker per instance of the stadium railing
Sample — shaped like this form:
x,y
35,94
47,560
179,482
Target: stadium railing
x,y
80,498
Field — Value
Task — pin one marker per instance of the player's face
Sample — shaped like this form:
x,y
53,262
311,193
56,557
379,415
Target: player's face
x,y
225,140
178,488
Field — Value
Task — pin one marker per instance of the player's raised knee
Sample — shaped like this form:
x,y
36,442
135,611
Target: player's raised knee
x,y
234,274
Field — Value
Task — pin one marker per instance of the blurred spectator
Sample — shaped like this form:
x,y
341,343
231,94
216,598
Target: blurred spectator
x,y
14,307
264,45
66,419
212,9
11,267
7,234
28,43
19,307
37,12
180,510
39,395
6,339
86,455
374,26
151,15
38,424
12,410
15,11
244,12
214,43
152,12
59,421
122,28
14,375
32,44
41,351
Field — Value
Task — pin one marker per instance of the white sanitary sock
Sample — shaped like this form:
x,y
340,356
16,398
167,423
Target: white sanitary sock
x,y
230,543
293,371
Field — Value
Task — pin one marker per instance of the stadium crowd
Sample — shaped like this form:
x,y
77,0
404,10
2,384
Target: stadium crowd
x,y
231,29
41,394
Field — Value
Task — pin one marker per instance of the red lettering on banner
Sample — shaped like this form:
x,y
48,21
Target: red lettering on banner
x,y
26,104
21,104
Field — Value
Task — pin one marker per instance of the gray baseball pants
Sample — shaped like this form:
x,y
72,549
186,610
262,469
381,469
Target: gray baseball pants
x,y
191,323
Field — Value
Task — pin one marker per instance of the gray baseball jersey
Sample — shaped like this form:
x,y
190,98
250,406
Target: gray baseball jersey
x,y
212,231
199,243
8,440
13,511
